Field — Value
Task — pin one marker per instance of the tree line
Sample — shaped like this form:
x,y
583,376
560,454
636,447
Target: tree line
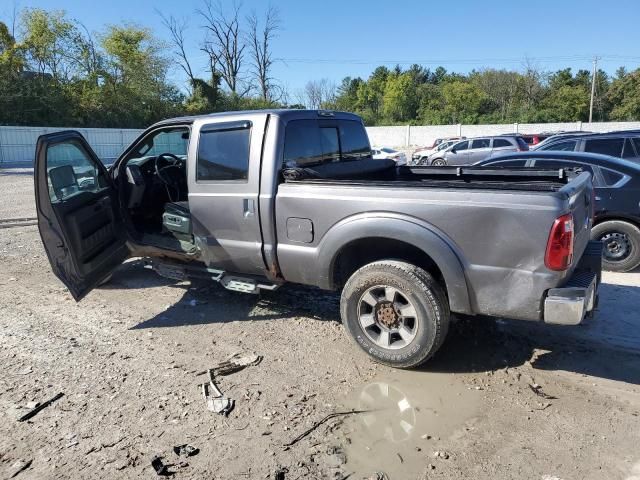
x,y
54,71
421,96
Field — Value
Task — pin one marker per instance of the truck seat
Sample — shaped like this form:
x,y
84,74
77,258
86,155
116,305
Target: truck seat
x,y
177,217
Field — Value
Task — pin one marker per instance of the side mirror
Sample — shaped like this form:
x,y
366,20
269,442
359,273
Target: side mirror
x,y
453,150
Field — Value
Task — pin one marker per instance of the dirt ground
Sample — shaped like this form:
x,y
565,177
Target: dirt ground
x,y
502,399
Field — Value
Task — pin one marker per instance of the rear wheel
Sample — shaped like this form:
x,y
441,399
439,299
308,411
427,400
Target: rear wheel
x,y
396,312
439,162
621,245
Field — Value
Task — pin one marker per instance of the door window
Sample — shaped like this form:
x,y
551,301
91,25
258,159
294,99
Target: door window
x,y
70,171
557,164
605,146
611,177
461,146
507,163
501,142
223,152
480,143
566,146
627,150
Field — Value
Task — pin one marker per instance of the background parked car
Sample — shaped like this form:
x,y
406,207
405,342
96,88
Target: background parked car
x,y
471,151
617,189
382,153
534,138
421,157
616,144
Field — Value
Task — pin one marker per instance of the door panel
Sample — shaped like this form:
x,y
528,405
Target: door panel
x,y
224,177
78,215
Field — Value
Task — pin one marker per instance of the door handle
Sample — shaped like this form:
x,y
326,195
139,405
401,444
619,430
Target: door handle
x,y
248,207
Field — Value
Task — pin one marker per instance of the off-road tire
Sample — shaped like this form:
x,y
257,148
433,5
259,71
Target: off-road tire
x,y
632,233
421,289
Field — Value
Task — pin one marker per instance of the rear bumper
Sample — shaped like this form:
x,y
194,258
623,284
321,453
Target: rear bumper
x,y
570,304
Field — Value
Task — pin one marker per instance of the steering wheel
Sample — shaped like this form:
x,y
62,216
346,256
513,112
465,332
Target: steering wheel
x,y
163,163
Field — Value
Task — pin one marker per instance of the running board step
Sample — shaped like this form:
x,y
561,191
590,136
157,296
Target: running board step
x,y
234,283
245,285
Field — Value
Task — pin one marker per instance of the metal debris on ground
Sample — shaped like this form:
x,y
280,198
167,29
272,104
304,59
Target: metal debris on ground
x,y
185,450
235,363
161,469
20,466
280,473
378,476
34,411
537,389
216,402
320,422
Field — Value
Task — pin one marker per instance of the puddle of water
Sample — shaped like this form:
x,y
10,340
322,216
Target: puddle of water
x,y
406,407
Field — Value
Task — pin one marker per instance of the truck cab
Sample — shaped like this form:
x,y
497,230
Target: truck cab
x,y
189,190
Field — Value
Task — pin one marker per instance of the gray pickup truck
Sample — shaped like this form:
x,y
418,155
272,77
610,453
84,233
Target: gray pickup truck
x,y
256,199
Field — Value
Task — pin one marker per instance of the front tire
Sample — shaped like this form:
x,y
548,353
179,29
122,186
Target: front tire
x,y
621,245
396,312
439,162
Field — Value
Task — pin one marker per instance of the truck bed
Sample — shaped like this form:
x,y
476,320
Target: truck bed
x,y
496,223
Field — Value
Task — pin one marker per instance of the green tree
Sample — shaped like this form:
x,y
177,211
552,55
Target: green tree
x,y
400,98
624,96
565,104
462,102
136,89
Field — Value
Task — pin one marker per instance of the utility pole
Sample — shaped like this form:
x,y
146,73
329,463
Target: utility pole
x,y
593,87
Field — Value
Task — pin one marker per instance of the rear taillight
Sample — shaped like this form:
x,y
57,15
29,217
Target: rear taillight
x,y
560,245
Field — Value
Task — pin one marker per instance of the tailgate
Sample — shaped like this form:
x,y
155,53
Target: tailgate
x,y
580,194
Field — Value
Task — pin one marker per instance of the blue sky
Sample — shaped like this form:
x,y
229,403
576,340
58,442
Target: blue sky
x,y
336,38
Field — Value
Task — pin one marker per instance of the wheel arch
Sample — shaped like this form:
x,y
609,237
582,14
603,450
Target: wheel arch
x,y
616,217
370,237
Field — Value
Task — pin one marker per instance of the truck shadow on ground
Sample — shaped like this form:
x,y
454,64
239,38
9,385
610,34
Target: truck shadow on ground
x,y
474,344
206,303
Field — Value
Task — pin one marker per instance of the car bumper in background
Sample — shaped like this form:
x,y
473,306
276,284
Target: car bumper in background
x,y
578,298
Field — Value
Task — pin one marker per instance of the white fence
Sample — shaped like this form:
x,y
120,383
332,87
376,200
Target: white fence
x,y
17,144
406,136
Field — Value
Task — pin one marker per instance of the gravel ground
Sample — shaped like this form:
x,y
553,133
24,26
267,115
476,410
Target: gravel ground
x,y
503,399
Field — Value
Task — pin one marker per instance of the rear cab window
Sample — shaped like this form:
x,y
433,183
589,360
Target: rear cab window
x,y
311,142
